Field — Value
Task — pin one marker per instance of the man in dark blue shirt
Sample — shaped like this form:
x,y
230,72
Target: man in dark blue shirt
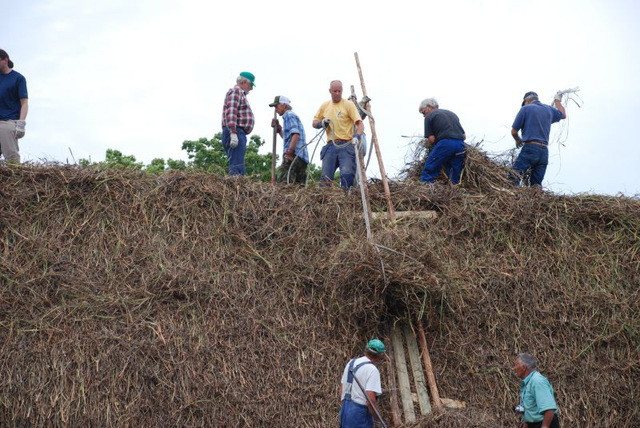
x,y
445,135
535,119
13,108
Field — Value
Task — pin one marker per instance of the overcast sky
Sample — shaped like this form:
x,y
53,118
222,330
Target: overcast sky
x,y
142,76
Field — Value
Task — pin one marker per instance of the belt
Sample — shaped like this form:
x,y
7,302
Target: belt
x,y
538,143
338,141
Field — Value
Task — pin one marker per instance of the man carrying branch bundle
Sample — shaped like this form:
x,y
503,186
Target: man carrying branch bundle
x,y
535,119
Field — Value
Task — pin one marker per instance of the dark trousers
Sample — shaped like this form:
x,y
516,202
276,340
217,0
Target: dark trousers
x,y
295,174
236,156
535,157
555,423
446,153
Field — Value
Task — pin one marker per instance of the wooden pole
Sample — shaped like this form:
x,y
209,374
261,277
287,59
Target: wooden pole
x,y
362,178
273,152
435,396
393,388
374,138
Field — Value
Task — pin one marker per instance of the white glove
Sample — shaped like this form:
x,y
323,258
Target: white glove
x,y
234,141
20,124
558,96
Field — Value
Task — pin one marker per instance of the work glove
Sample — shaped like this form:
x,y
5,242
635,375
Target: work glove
x,y
558,96
20,124
325,123
234,141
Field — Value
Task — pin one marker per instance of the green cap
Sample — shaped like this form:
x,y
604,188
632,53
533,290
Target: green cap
x,y
376,346
249,76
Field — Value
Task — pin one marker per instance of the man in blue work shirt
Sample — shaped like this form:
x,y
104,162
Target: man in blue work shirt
x,y
295,157
360,386
446,137
535,119
538,405
14,105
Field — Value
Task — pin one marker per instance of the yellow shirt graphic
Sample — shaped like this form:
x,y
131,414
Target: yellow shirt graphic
x,y
343,116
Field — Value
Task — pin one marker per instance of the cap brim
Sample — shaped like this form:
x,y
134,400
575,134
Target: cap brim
x,y
522,105
273,104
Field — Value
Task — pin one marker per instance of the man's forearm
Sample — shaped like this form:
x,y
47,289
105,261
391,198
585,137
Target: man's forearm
x,y
560,107
548,417
294,142
24,108
516,136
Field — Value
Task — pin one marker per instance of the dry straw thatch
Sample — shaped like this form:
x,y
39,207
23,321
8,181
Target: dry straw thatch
x,y
189,300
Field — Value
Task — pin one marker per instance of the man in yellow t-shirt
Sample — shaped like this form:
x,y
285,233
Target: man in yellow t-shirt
x,y
340,118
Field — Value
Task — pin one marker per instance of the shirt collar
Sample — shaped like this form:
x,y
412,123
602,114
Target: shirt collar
x,y
527,379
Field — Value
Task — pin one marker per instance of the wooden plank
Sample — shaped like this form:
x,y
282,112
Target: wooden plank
x,y
435,396
403,376
418,373
407,214
393,388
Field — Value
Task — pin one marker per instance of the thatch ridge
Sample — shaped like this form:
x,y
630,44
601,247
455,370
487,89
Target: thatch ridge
x,y
190,299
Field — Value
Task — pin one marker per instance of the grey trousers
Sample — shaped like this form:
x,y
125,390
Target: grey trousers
x,y
8,141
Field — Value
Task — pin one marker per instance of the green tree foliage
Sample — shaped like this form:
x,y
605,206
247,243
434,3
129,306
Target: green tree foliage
x,y
203,155
209,155
115,159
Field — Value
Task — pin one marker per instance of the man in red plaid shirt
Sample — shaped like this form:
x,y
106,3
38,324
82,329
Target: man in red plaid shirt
x,y
237,122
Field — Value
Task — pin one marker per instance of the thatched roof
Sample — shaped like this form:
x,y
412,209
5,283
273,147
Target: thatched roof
x,y
188,299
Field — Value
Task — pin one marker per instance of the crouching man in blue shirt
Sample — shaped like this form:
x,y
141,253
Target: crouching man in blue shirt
x,y
535,119
536,395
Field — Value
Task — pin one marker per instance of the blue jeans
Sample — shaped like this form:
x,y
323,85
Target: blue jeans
x,y
354,415
448,153
236,156
343,157
535,157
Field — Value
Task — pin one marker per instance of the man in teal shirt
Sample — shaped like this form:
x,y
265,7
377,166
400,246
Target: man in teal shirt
x,y
536,395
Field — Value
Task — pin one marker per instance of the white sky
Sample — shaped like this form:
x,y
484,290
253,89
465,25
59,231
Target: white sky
x,y
143,76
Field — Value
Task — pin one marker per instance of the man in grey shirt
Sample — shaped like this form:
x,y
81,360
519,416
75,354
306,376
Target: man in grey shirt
x,y
445,135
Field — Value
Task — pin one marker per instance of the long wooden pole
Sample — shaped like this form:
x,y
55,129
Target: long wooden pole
x,y
362,180
435,396
374,138
393,388
273,152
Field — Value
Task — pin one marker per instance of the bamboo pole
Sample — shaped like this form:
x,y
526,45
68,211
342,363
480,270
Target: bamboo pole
x,y
374,138
435,396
